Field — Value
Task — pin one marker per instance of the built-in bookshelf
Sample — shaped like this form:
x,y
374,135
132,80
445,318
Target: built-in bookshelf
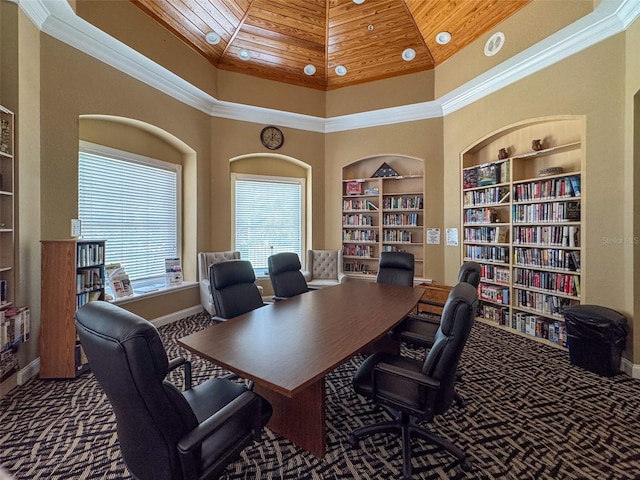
x,y
522,221
11,337
382,210
73,274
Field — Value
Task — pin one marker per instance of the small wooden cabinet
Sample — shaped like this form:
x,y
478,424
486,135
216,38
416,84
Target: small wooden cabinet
x,y
522,221
382,214
72,275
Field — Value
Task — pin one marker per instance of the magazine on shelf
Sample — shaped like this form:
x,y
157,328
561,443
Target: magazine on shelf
x,y
118,280
173,269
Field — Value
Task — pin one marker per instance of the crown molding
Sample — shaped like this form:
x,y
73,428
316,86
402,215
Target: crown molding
x,y
57,18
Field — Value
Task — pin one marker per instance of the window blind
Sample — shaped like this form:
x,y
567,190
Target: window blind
x,y
268,218
132,203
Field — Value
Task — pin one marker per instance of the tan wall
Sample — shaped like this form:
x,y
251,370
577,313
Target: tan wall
x,y
523,29
632,176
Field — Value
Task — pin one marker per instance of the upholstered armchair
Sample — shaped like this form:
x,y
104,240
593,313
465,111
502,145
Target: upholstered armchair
x,y
323,268
205,260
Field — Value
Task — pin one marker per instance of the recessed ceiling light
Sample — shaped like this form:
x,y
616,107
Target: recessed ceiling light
x,y
212,38
358,2
341,70
494,44
408,54
244,54
443,38
309,69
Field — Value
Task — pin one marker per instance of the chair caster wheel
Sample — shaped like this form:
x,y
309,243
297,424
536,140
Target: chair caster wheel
x,y
353,441
466,465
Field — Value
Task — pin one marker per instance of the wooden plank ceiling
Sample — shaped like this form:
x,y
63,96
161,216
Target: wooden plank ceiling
x,y
281,37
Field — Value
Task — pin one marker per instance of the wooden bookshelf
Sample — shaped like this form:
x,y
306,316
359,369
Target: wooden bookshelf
x,y
382,214
521,220
8,374
72,275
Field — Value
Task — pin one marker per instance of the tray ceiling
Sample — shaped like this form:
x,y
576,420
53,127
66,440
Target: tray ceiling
x,y
282,37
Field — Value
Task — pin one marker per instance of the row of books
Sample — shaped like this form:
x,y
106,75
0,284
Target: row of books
x,y
89,279
489,174
551,235
359,235
495,274
546,212
393,219
562,283
84,298
498,314
89,254
487,234
547,189
412,202
488,253
480,215
403,236
358,205
557,258
553,330
8,363
365,251
542,302
489,195
357,220
357,267
493,293
15,327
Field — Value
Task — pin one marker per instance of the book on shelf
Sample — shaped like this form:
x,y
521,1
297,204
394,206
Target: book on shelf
x,y
173,272
575,185
354,188
488,175
470,178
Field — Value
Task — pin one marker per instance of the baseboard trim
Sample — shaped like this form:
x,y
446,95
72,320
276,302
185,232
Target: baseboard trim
x,y
629,368
27,373
175,316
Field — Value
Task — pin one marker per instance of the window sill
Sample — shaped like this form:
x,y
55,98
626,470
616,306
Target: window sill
x,y
153,293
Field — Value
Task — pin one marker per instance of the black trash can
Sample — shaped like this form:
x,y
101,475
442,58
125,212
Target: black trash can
x,y
596,336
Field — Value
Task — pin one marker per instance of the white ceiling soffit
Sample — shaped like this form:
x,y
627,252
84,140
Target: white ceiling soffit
x,y
56,18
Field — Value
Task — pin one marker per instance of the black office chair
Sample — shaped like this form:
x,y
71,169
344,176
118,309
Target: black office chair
x,y
165,434
233,288
414,391
419,330
286,278
396,268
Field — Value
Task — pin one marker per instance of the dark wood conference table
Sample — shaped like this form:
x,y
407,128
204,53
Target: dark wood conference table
x,y
288,347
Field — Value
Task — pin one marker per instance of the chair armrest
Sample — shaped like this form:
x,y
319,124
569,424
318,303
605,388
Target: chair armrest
x,y
341,277
409,375
418,378
307,275
189,445
178,361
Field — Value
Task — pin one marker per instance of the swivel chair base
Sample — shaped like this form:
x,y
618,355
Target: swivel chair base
x,y
405,427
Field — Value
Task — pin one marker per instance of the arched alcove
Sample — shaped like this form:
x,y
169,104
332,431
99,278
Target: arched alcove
x,y
382,210
144,139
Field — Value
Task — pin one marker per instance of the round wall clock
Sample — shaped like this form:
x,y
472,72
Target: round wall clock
x,y
272,137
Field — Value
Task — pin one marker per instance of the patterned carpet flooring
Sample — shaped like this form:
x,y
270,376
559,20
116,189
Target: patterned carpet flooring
x,y
529,414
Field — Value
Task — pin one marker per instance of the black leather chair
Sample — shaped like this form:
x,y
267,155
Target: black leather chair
x,y
416,391
419,330
165,434
396,268
286,277
233,288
